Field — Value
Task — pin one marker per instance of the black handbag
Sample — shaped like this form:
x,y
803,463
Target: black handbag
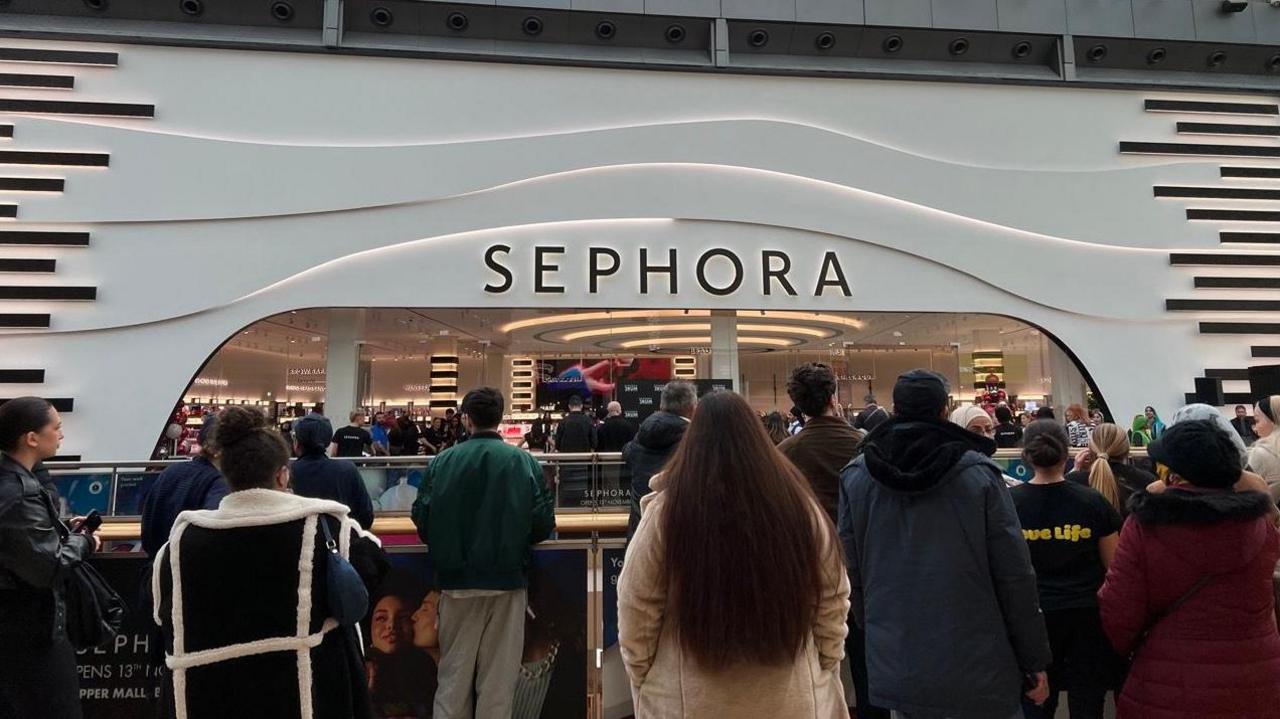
x,y
348,597
95,612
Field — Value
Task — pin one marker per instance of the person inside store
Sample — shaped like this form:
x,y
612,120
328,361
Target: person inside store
x,y
457,430
1104,466
1189,594
611,436
1078,426
38,677
249,547
797,420
404,437
1264,455
1008,434
480,508
538,437
575,433
317,475
702,631
1244,425
353,440
656,440
1140,432
825,446
776,427
378,432
940,570
433,437
1072,532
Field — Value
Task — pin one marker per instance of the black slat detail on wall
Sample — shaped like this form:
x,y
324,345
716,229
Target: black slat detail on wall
x,y
40,238
46,292
14,264
1195,148
1272,172
1234,215
1264,351
63,458
8,210
21,376
1228,375
1240,328
1224,193
69,159
74,107
1226,128
62,57
32,184
6,131
22,319
1238,283
1218,108
1228,398
60,82
1204,258
1255,238
62,404
1223,305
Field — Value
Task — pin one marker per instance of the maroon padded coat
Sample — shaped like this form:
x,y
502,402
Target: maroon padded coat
x,y
1218,655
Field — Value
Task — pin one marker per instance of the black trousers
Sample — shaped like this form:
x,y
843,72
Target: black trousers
x,y
855,646
1084,665
39,682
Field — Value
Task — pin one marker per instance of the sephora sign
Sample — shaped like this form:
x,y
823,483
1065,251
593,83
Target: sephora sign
x,y
717,271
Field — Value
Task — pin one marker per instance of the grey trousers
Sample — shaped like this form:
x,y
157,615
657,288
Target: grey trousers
x,y
481,643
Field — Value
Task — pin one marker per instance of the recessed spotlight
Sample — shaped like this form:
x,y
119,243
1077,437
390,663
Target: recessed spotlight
x,y
758,37
381,17
675,34
191,7
1157,55
1216,58
892,44
1096,54
457,21
282,11
606,30
825,41
958,47
1021,50
532,26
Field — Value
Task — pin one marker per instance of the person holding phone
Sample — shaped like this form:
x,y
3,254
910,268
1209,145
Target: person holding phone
x,y
37,663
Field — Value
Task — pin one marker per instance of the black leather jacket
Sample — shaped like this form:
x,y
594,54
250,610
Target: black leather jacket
x,y
36,553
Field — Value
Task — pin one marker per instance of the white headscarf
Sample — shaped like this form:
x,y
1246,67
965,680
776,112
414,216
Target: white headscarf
x,y
1204,411
964,415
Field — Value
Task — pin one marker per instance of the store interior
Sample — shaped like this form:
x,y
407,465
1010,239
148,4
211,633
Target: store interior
x,y
421,362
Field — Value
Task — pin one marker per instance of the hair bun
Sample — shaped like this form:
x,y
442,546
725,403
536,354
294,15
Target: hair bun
x,y
237,423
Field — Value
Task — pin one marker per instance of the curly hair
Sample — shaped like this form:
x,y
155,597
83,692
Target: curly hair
x,y
811,387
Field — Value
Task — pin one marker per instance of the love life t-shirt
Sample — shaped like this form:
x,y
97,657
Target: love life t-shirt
x,y
1062,523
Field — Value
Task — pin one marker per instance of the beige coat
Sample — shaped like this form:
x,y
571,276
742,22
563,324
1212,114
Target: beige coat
x,y
668,685
1264,458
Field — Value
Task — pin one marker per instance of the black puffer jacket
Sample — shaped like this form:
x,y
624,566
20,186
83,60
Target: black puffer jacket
x,y
36,553
647,453
940,572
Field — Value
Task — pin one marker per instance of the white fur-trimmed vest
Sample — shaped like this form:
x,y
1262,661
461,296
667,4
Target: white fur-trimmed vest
x,y
240,593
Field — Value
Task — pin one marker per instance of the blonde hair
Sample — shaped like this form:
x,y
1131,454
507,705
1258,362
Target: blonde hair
x,y
1111,444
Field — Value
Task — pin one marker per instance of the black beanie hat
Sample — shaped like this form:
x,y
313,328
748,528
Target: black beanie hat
x,y
1199,452
920,394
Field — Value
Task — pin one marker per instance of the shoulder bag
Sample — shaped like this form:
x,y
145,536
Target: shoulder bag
x,y
95,611
1177,603
348,597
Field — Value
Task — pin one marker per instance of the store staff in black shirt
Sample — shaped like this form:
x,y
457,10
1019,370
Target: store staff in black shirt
x,y
352,440
1008,434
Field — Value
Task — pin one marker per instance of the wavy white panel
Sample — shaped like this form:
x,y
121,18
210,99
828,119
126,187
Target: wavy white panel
x,y
169,177
126,379
152,272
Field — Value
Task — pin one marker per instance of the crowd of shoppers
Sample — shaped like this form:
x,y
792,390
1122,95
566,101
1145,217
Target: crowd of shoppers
x,y
761,555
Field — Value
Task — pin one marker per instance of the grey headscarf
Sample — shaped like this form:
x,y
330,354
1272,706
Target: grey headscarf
x,y
1211,413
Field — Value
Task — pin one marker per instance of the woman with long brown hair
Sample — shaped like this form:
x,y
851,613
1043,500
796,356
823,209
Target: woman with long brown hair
x,y
1110,473
733,597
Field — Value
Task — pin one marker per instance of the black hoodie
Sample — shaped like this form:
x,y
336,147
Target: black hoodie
x,y
647,453
940,574
915,455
